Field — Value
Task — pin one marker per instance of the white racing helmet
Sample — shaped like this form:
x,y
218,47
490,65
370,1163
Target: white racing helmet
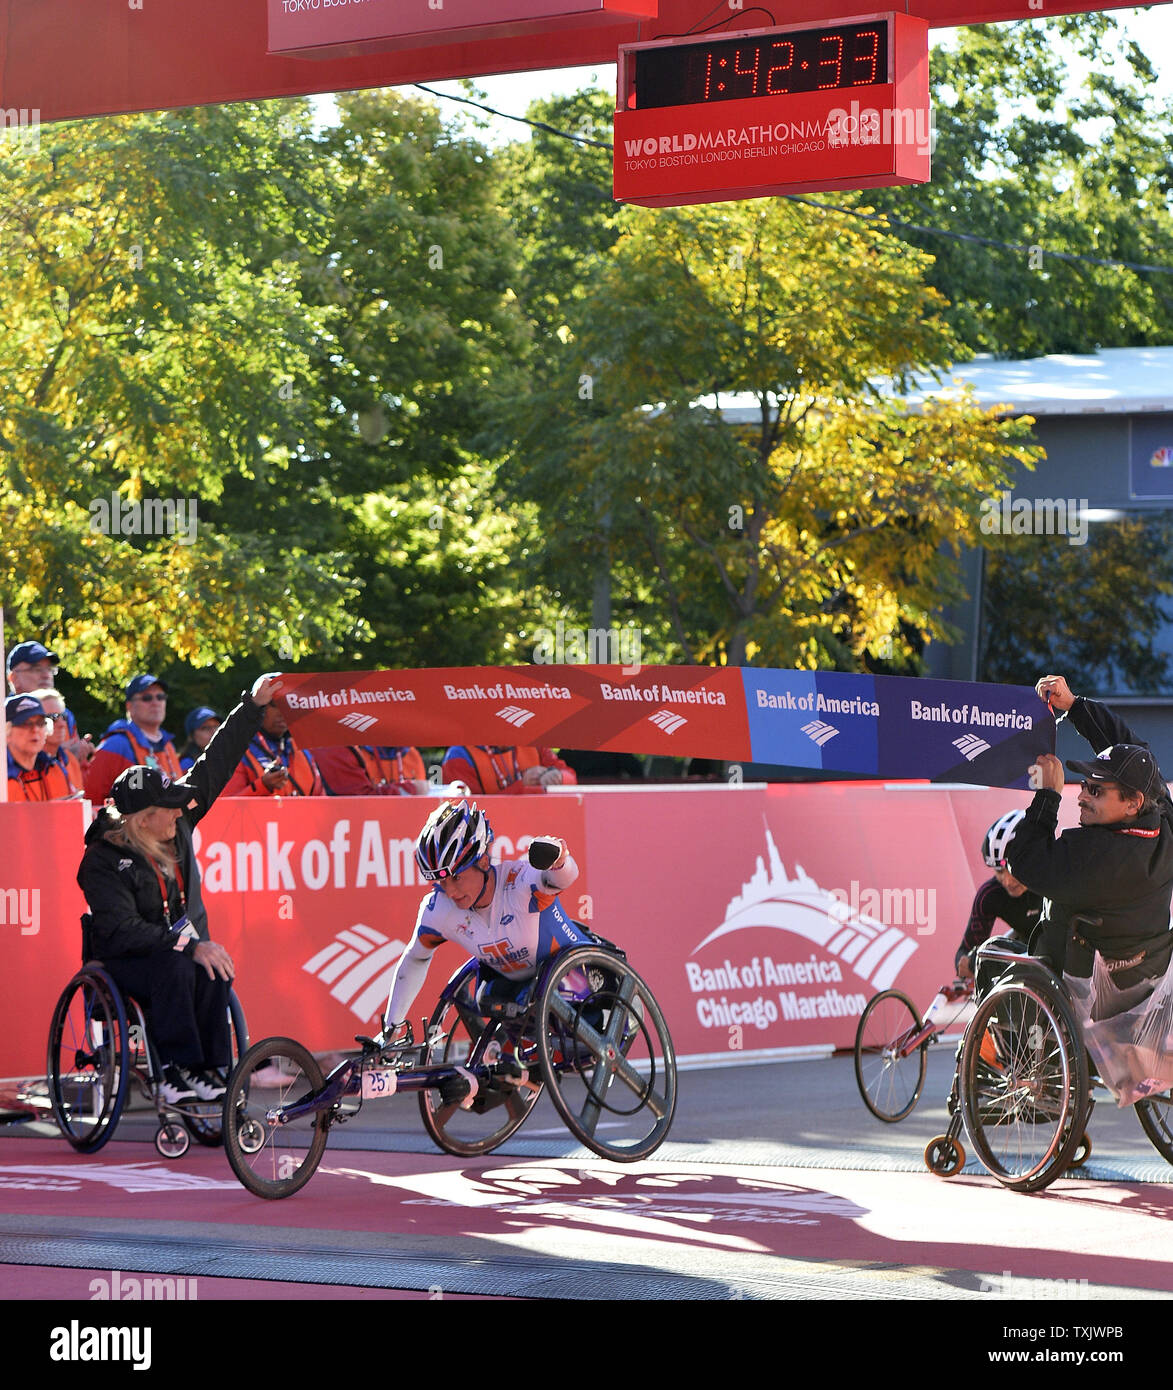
x,y
454,837
998,837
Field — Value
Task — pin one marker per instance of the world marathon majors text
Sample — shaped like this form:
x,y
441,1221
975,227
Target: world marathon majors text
x,y
731,138
760,1012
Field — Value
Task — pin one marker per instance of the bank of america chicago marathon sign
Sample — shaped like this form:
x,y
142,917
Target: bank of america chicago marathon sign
x,y
884,726
844,952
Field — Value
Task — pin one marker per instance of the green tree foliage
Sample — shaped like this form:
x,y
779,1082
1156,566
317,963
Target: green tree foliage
x,y
1028,155
811,533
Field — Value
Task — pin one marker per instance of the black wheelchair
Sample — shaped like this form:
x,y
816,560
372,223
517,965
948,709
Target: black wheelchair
x,y
588,1030
99,1042
1023,1086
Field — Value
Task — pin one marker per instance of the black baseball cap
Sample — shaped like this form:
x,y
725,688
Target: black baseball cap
x,y
1129,764
139,788
29,653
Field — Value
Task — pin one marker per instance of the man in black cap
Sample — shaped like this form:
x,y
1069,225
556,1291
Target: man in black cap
x,y
1116,866
149,926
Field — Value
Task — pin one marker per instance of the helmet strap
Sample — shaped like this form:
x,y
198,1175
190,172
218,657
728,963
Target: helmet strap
x,y
484,883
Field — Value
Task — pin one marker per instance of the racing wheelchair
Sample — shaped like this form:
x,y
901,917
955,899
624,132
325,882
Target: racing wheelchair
x,y
1023,1084
99,1042
587,1029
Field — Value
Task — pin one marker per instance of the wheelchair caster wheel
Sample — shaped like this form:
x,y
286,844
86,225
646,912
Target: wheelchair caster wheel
x,y
172,1140
944,1156
251,1137
1082,1153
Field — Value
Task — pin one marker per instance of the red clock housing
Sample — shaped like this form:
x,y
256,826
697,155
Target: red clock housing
x,y
802,108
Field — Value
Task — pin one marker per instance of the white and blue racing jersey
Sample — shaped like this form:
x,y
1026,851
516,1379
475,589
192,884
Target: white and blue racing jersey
x,y
521,926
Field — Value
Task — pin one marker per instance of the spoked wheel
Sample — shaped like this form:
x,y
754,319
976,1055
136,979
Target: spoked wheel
x,y
890,1083
1155,1114
606,1054
171,1139
205,1127
87,1063
270,1158
453,1033
1024,1084
944,1156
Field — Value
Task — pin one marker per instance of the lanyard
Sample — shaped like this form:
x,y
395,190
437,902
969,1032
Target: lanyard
x,y
163,891
501,778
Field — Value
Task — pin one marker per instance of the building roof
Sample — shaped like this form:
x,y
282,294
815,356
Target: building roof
x,y
1114,381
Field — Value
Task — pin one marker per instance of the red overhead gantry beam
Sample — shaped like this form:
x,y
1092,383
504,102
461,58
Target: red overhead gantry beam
x,y
71,58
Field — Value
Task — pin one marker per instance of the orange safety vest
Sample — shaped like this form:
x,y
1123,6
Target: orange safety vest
x,y
69,764
380,767
48,784
166,759
303,771
497,771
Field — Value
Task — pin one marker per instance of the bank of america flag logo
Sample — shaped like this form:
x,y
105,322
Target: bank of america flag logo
x,y
818,732
667,720
358,965
515,715
361,722
970,746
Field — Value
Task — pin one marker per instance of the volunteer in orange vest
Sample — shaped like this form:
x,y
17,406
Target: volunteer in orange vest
x,y
32,774
491,770
56,744
31,667
274,765
371,771
139,738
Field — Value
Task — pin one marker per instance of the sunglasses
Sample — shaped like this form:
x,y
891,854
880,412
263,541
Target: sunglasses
x,y
55,717
150,697
1097,789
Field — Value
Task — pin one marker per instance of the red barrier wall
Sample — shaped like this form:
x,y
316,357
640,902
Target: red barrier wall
x,y
763,918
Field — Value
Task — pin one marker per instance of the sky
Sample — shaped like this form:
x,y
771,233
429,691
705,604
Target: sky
x,y
1152,29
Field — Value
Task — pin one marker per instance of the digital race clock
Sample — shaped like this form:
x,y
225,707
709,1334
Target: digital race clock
x,y
771,111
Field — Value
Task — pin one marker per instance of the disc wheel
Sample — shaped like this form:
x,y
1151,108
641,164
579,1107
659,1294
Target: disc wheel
x,y
606,1054
944,1156
206,1127
454,1032
1155,1114
1024,1084
270,1158
87,1060
889,1083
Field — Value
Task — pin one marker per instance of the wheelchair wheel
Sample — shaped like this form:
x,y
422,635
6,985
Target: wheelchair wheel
x,y
207,1129
87,1066
889,1084
494,1115
272,1159
1024,1083
606,1054
1155,1114
944,1156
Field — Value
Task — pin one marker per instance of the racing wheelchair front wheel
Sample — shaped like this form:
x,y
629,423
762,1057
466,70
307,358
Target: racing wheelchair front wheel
x,y
457,1037
270,1158
889,1082
606,1054
1024,1083
87,1066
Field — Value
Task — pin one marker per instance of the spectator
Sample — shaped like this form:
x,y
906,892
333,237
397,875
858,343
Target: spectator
x,y
56,744
199,726
32,666
370,771
32,774
139,738
493,770
274,765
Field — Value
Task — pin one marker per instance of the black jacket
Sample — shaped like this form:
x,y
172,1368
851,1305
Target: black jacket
x,y
1122,874
122,888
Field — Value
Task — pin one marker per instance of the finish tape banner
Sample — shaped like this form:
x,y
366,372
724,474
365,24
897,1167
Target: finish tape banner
x,y
885,726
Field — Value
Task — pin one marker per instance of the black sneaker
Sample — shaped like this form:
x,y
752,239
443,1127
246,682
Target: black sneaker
x,y
204,1085
175,1088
